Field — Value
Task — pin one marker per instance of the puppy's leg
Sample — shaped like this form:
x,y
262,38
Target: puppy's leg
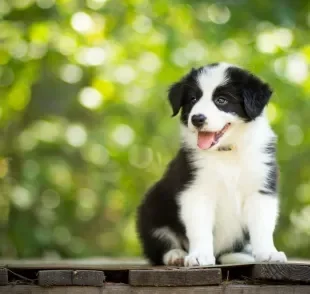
x,y
197,214
261,215
172,254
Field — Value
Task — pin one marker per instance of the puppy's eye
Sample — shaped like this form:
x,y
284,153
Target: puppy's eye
x,y
193,99
221,101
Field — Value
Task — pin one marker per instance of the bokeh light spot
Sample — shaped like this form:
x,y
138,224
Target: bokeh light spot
x,y
90,98
123,135
265,42
92,56
96,154
142,24
195,51
124,74
294,135
67,45
20,50
149,62
46,131
283,37
296,68
21,197
59,173
76,135
26,140
179,57
218,14
230,49
82,22
71,73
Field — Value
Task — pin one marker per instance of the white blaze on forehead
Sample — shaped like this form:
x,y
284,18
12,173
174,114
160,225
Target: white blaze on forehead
x,y
212,77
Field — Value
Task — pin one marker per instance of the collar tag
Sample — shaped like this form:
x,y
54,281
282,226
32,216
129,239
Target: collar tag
x,y
225,148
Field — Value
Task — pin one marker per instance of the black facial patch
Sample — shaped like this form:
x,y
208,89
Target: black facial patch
x,y
181,94
234,100
245,93
185,94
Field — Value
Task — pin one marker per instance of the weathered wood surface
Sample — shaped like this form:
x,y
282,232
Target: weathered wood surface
x,y
165,277
55,278
294,272
98,264
70,278
88,278
124,289
282,272
4,279
47,278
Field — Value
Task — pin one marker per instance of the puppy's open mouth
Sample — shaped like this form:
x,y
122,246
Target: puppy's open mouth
x,y
207,140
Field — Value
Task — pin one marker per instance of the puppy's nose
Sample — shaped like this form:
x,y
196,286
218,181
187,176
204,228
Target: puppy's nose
x,y
198,120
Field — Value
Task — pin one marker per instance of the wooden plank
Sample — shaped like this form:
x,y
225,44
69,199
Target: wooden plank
x,y
67,277
103,267
4,277
282,272
100,264
55,278
176,277
125,289
88,278
89,263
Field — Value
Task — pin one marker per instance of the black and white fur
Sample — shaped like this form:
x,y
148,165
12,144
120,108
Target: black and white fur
x,y
213,205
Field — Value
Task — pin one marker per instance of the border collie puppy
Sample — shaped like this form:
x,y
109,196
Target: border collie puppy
x,y
217,201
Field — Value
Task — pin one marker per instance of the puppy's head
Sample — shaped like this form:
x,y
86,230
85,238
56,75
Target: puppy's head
x,y
216,97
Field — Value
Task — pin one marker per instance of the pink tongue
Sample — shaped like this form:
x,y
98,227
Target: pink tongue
x,y
205,139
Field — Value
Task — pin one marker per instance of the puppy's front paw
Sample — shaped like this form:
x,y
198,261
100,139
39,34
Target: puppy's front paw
x,y
199,259
174,257
275,256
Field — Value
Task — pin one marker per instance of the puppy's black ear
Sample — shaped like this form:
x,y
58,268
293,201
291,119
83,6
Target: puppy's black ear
x,y
256,96
175,95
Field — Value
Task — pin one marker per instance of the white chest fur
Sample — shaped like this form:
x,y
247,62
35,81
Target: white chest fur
x,y
227,181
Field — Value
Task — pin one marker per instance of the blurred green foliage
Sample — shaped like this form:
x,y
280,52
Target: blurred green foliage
x,y
85,127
